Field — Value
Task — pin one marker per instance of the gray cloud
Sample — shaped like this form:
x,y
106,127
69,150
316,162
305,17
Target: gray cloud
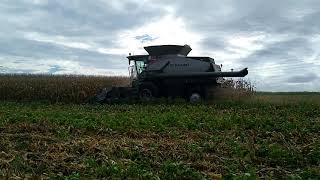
x,y
145,38
285,58
249,16
215,42
74,18
285,52
79,21
303,78
29,49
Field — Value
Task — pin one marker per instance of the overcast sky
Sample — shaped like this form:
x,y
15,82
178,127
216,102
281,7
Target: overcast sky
x,y
278,40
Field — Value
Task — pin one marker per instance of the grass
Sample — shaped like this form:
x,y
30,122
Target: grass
x,y
228,139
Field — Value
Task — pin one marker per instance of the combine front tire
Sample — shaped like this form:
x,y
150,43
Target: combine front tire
x,y
148,91
197,94
195,97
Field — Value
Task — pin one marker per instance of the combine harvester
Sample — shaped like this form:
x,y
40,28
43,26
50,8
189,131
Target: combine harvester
x,y
167,71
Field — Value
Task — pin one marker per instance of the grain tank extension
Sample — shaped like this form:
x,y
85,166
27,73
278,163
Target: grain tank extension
x,y
168,71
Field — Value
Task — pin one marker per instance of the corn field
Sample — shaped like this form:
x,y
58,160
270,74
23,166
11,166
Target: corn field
x,y
55,88
76,89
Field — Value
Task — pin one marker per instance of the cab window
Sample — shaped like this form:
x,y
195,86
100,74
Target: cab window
x,y
140,65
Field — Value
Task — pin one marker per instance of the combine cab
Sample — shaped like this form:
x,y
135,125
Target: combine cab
x,y
168,71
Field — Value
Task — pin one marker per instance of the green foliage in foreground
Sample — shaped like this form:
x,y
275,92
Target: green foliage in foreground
x,y
168,118
225,140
